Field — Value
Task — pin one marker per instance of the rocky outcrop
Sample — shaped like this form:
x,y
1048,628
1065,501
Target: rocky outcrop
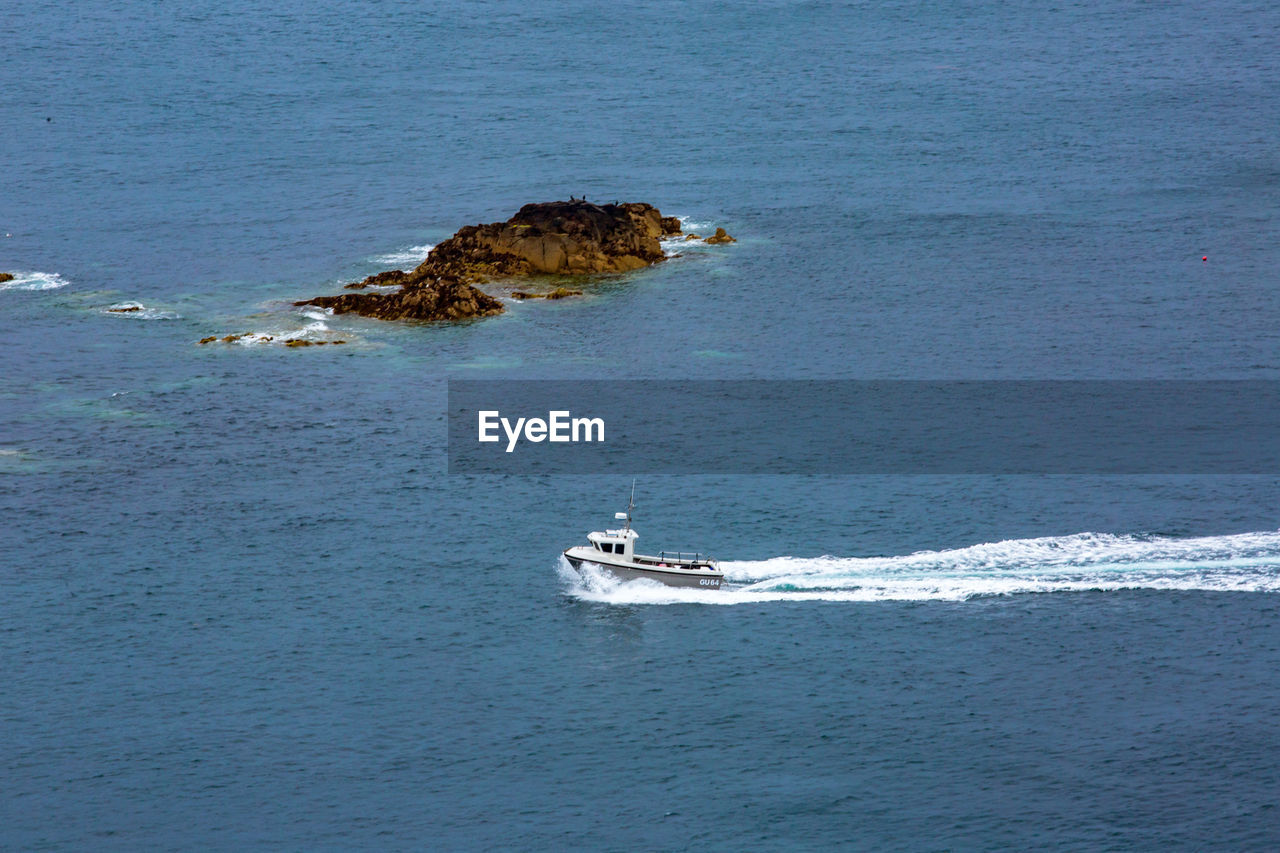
x,y
557,238
721,236
5,276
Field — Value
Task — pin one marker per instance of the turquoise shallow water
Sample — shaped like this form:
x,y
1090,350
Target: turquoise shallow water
x,y
245,605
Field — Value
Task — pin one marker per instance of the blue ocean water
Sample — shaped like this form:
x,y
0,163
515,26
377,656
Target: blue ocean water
x,y
244,605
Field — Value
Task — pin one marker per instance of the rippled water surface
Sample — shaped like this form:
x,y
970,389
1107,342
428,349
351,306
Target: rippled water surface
x,y
244,605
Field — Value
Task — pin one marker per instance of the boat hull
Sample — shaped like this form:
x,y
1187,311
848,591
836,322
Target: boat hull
x,y
691,579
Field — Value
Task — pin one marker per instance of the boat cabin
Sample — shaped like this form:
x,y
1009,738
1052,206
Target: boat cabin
x,y
620,542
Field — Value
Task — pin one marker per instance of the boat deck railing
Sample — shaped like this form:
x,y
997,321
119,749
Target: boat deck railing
x,y
684,557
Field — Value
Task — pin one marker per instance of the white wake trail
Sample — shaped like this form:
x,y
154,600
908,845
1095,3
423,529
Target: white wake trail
x,y
1246,562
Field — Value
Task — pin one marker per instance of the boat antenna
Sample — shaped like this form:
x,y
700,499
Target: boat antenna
x,y
631,504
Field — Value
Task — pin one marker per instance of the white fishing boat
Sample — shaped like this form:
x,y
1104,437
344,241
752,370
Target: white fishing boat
x,y
614,551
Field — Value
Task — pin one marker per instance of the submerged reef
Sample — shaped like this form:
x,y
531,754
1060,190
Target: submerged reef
x,y
560,238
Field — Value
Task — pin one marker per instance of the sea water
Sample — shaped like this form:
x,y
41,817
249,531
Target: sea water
x,y
244,605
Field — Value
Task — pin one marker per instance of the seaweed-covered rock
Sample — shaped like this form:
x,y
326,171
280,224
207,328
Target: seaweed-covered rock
x,y
442,299
382,279
558,293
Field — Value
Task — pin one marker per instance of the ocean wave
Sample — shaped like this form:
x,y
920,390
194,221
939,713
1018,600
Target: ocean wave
x,y
677,244
687,224
315,332
1246,562
674,247
138,311
406,258
34,280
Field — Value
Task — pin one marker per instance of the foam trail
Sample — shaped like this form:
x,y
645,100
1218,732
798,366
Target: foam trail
x,y
1246,562
34,280
406,258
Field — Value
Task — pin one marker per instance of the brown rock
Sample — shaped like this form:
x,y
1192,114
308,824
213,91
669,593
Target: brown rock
x,y
335,343
562,292
209,339
721,236
557,238
692,237
297,342
670,225
6,276
230,339
128,310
